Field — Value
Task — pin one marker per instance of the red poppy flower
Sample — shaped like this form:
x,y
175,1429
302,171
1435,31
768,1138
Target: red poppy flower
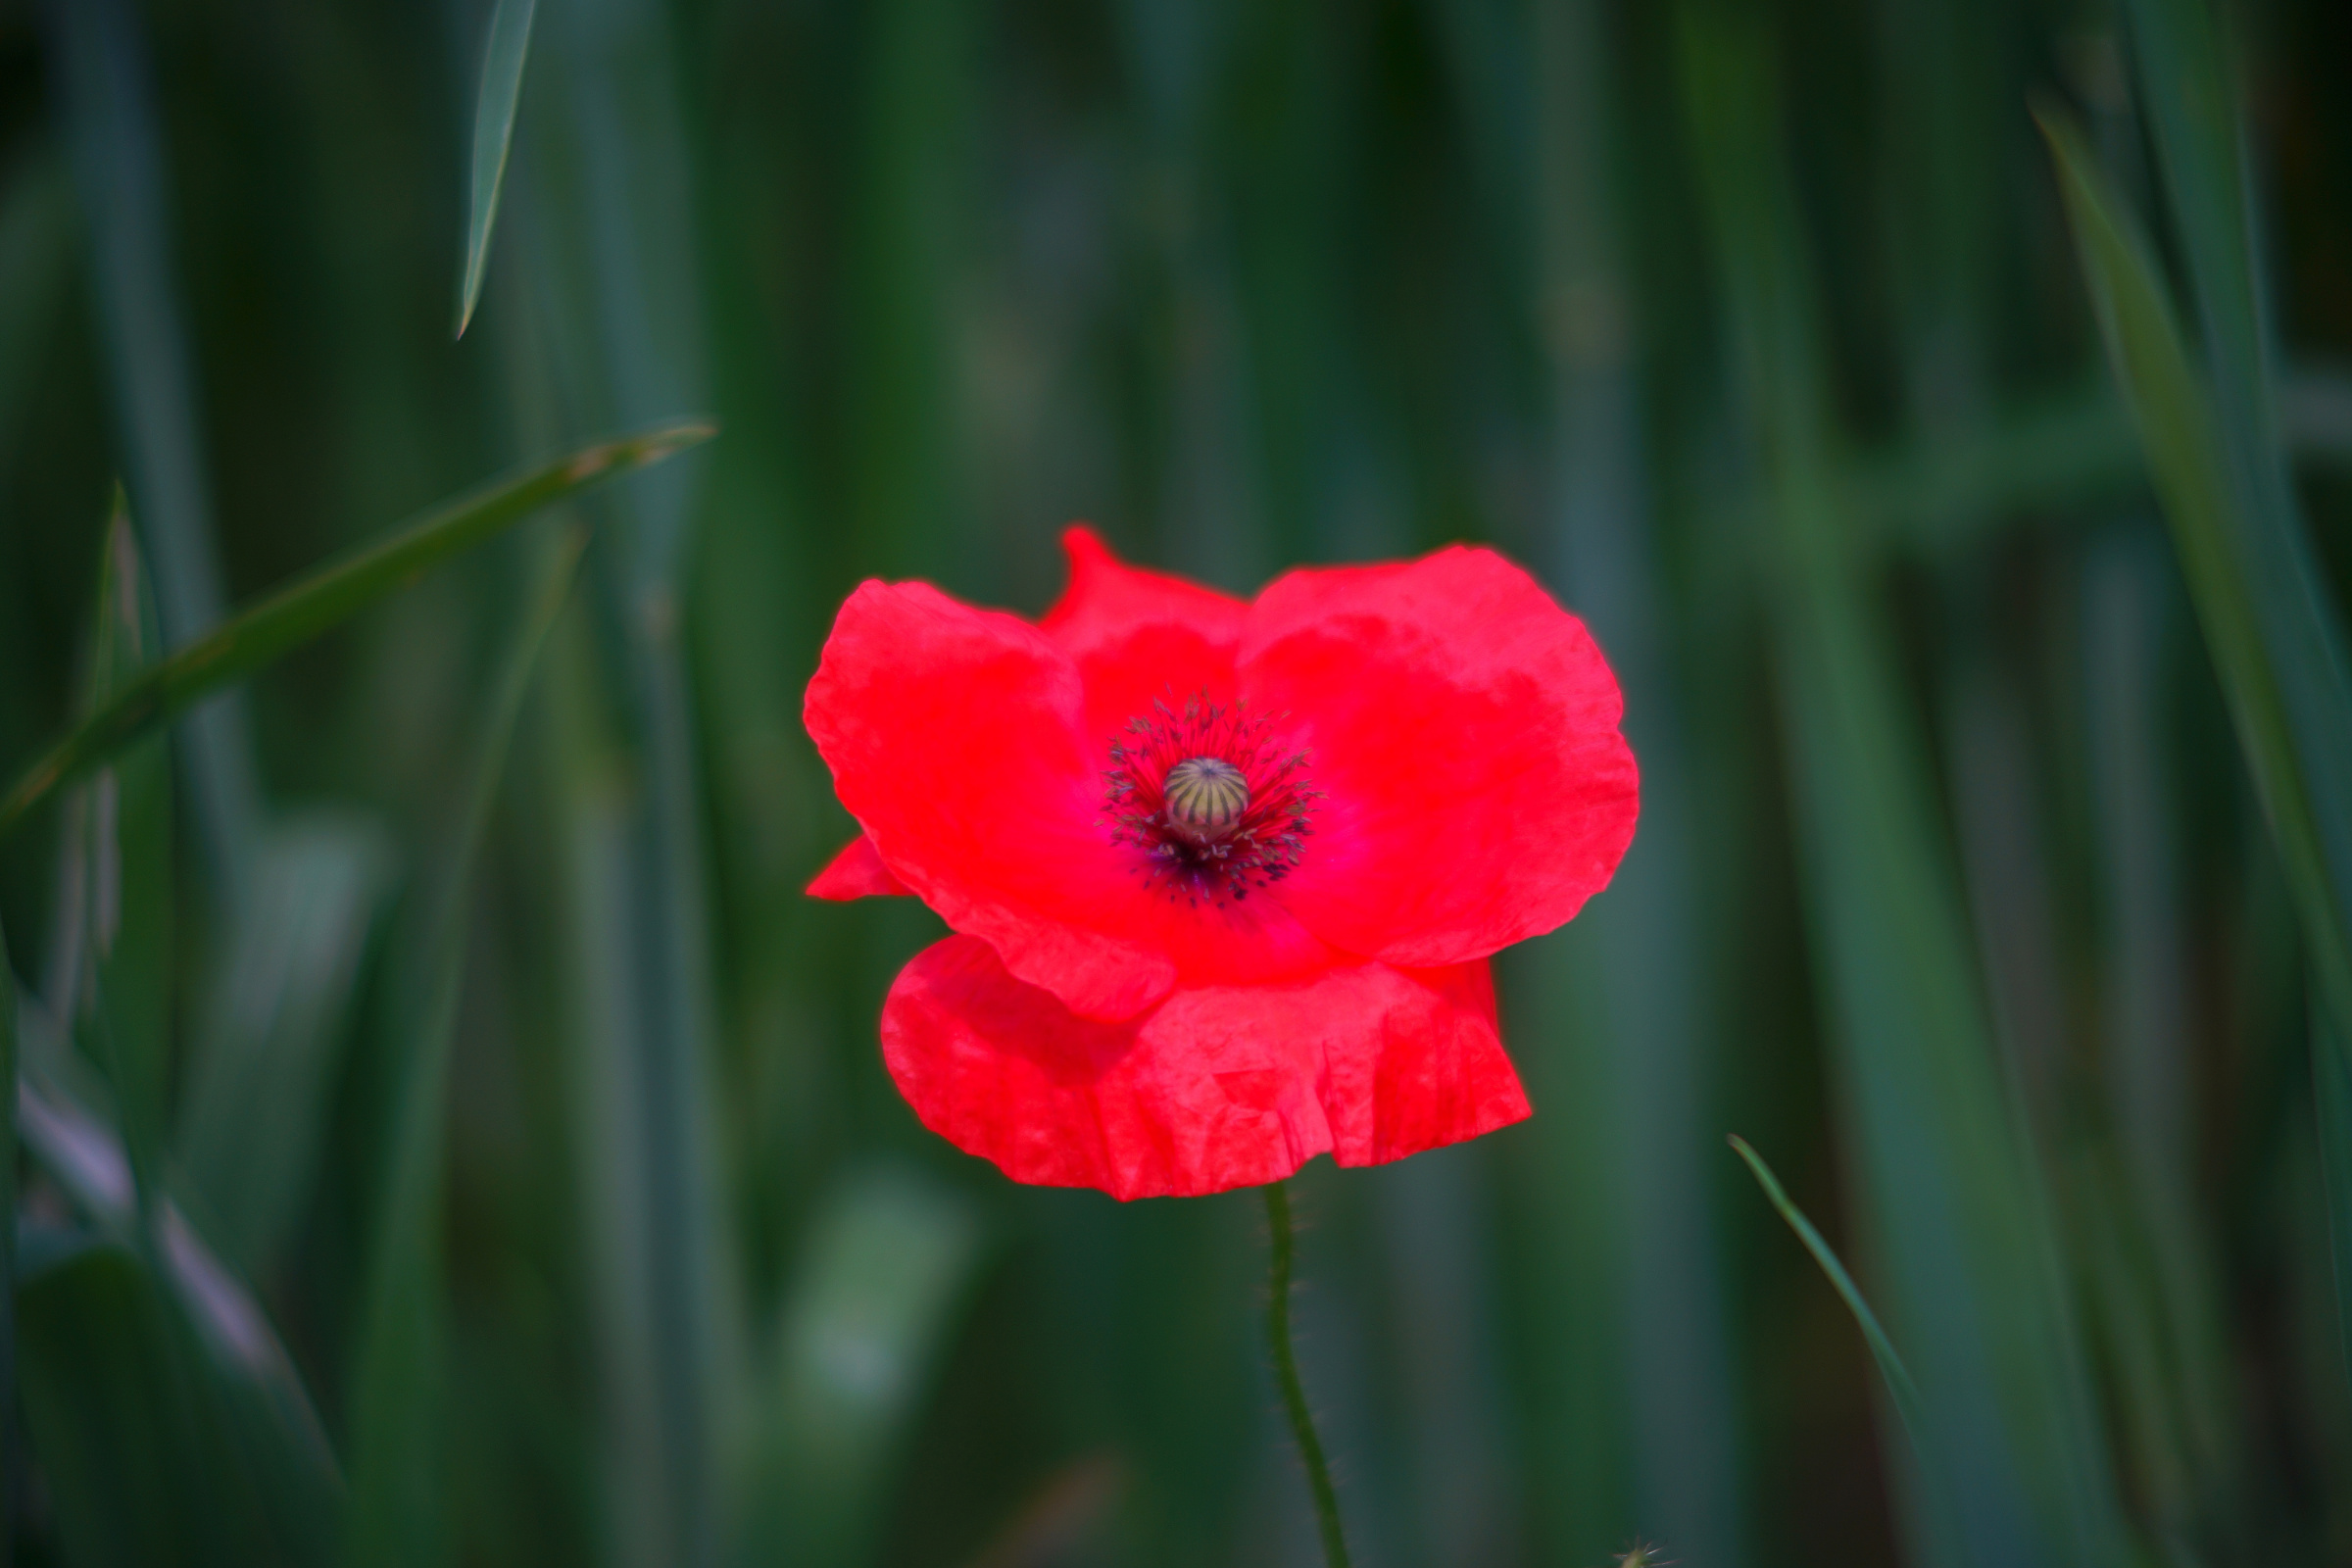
x,y
1225,876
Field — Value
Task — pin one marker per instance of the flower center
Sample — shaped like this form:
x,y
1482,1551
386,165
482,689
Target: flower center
x,y
1217,805
1206,796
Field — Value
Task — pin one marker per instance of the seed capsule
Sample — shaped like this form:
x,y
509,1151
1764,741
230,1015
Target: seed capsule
x,y
1206,796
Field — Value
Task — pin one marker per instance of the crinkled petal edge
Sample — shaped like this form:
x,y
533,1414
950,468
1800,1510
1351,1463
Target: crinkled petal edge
x,y
1218,1087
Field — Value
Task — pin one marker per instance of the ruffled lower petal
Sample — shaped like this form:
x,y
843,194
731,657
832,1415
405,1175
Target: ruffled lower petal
x,y
1439,1080
1218,1087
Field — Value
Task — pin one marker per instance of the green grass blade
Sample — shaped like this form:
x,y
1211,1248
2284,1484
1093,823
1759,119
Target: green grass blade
x,y
323,598
1576,1397
256,1438
618,257
123,1013
399,1514
615,191
493,133
644,1117
2224,483
2186,59
118,153
2242,576
248,1134
888,1259
1949,1199
916,143
2187,95
1631,1034
2267,623
2151,1258
66,1131
1899,1385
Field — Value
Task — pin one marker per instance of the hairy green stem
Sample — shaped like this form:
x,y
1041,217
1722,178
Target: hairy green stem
x,y
1286,1373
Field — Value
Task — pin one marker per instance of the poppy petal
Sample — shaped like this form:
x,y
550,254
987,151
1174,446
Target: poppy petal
x,y
1218,1087
1432,1073
857,872
1463,730
953,737
1139,637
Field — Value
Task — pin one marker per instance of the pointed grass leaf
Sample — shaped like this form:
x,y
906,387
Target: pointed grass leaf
x,y
399,1512
325,596
493,134
1899,1385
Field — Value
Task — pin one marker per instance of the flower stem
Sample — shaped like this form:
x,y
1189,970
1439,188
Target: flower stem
x,y
1286,1373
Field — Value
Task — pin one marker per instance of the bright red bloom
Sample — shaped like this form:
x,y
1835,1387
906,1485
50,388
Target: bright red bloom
x,y
1226,875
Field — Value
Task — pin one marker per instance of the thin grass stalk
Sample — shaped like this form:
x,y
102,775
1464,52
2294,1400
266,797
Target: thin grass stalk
x,y
400,1510
2185,74
608,194
117,147
2129,607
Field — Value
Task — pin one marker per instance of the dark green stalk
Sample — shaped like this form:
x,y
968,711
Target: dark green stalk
x,y
1286,1373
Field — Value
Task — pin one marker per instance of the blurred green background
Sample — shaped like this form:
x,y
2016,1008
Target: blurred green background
x,y
448,1134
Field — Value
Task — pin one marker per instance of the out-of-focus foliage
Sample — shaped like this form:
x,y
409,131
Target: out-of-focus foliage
x,y
445,1133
